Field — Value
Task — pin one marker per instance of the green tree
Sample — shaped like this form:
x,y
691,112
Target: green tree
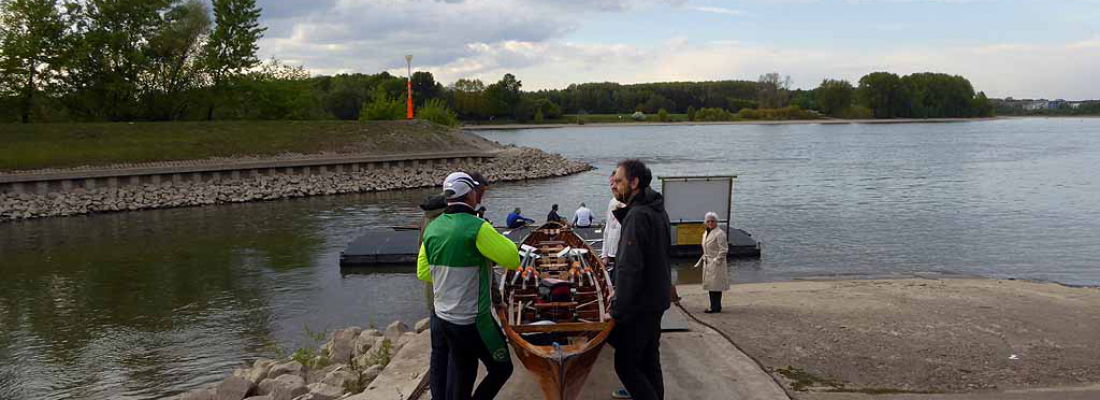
x,y
773,91
436,111
883,93
382,107
34,35
691,113
662,115
503,97
736,105
834,96
110,66
176,66
539,118
232,47
425,88
469,98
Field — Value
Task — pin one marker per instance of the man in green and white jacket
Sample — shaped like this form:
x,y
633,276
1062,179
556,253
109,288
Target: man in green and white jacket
x,y
456,256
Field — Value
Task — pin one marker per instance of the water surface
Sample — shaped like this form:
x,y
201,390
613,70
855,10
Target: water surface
x,y
147,304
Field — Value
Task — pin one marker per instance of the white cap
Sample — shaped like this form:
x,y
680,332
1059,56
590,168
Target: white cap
x,y
457,185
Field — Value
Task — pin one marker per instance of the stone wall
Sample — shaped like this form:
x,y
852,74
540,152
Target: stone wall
x,y
516,163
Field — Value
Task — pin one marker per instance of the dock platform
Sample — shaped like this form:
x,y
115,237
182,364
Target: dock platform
x,y
394,247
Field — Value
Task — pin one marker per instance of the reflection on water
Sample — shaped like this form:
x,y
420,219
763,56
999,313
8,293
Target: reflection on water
x,y
144,305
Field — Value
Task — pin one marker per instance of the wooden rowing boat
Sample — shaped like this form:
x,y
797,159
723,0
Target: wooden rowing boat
x,y
553,309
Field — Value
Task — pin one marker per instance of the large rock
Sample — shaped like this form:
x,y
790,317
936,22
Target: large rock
x,y
284,387
374,355
404,374
199,394
291,367
365,341
322,391
371,373
422,325
406,338
259,370
395,330
343,344
234,388
340,378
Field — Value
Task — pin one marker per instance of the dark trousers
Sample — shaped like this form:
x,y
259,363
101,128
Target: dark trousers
x,y
715,301
637,345
454,363
441,357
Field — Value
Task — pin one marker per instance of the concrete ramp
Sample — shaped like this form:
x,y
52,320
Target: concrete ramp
x,y
698,364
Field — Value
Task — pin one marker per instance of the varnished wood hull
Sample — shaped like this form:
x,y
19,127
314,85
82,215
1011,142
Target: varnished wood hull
x,y
560,378
561,370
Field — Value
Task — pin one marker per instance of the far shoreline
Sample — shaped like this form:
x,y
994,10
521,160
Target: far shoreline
x,y
754,122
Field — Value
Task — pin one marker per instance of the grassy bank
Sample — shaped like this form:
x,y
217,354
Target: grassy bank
x,y
36,146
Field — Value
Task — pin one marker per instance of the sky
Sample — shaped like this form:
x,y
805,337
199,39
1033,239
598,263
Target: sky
x,y
1007,48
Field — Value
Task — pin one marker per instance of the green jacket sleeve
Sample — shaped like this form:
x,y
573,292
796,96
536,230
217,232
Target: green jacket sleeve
x,y
423,270
496,247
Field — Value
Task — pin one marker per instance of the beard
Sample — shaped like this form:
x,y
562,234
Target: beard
x,y
622,197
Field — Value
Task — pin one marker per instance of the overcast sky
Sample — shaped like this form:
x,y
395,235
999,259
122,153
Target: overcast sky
x,y
1019,48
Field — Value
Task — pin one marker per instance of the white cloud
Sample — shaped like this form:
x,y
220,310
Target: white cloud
x,y
717,10
487,38
999,70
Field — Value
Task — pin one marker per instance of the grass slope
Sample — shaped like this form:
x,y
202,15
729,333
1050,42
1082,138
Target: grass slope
x,y
37,146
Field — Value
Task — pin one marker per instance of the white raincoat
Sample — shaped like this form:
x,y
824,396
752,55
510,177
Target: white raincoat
x,y
713,261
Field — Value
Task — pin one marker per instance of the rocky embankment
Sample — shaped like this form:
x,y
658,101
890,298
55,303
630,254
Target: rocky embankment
x,y
346,365
513,163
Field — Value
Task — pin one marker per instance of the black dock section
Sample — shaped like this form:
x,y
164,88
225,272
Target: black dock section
x,y
392,247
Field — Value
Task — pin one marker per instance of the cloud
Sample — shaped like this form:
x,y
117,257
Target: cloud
x,y
717,10
538,41
999,70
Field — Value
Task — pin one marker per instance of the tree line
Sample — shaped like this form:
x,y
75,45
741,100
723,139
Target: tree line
x,y
166,60
125,60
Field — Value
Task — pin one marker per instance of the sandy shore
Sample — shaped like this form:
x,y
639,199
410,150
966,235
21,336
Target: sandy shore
x,y
791,122
913,335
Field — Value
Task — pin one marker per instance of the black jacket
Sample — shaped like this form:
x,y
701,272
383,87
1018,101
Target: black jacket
x,y
642,274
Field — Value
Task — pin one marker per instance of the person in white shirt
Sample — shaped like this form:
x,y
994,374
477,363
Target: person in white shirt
x,y
583,217
611,233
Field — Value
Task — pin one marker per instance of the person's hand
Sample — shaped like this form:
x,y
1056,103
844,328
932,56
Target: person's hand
x,y
604,260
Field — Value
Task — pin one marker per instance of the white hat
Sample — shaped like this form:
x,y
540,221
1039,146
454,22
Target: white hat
x,y
457,185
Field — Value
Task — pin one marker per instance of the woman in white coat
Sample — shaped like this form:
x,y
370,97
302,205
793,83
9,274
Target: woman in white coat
x,y
715,247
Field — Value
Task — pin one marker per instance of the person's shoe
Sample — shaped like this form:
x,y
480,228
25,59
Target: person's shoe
x,y
708,311
620,393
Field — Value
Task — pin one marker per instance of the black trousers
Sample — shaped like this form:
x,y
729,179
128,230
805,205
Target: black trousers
x,y
715,301
454,363
440,359
637,345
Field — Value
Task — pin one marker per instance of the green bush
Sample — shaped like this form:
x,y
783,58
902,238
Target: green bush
x,y
436,110
381,107
538,116
691,113
857,112
662,115
713,114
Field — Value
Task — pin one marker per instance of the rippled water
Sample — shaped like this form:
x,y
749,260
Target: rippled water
x,y
147,304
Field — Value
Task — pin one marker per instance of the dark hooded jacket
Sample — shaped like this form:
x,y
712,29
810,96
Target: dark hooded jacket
x,y
642,271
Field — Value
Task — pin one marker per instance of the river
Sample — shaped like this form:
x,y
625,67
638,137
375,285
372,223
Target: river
x,y
148,304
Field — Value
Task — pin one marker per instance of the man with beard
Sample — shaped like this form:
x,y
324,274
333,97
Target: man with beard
x,y
642,281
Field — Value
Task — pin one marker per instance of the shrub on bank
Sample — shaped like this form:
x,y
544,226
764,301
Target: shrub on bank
x,y
381,107
777,114
714,114
436,110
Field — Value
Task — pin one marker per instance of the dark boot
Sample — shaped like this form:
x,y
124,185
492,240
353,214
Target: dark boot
x,y
715,303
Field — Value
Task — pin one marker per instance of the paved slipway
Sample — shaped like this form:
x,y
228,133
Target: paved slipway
x,y
852,340
917,338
